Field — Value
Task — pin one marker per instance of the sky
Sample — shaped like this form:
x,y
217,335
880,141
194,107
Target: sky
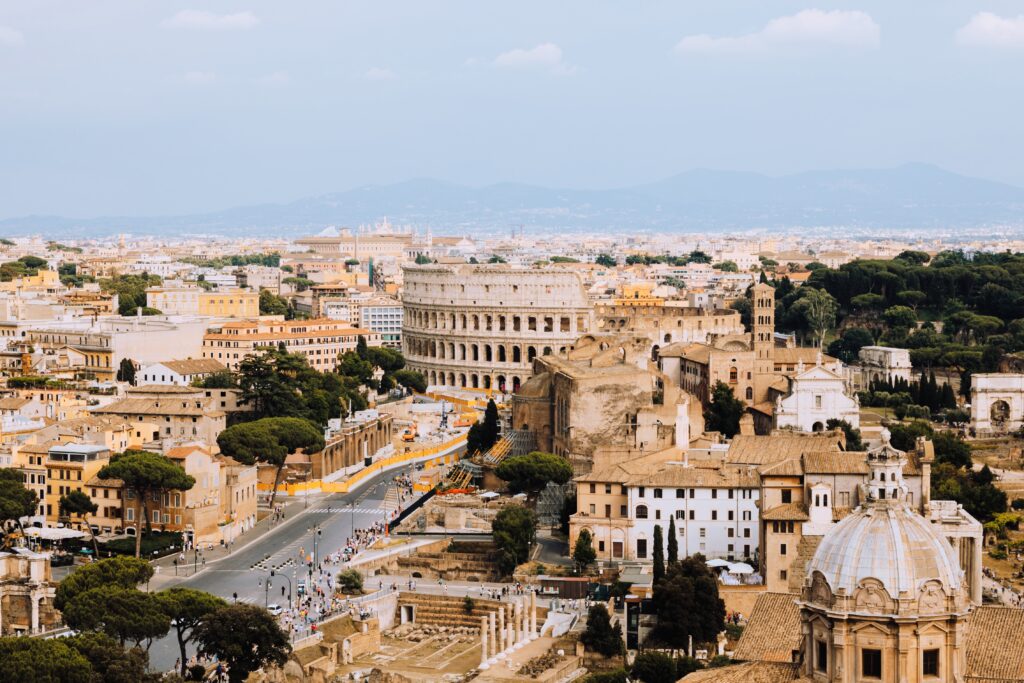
x,y
120,107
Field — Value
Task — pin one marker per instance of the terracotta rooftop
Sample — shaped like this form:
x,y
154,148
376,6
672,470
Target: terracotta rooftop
x,y
788,512
194,366
748,672
994,652
750,449
773,630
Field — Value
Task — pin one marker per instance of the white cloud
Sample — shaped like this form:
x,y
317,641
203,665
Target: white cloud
x,y
200,77
807,28
380,74
544,56
991,30
11,38
201,20
276,79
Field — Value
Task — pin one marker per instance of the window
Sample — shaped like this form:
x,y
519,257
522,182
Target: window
x,y
731,531
930,664
640,491
746,533
607,488
871,663
714,493
607,510
821,655
680,493
783,574
622,511
714,515
593,509
641,512
787,496
593,488
657,493
782,549
703,532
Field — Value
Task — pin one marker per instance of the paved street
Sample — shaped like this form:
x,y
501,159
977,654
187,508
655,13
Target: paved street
x,y
247,567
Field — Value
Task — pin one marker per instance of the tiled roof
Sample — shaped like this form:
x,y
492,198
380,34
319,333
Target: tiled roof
x,y
13,403
785,513
773,630
994,652
790,467
674,475
793,355
750,449
748,672
148,406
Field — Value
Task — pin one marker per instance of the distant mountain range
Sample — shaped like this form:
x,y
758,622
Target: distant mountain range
x,y
913,196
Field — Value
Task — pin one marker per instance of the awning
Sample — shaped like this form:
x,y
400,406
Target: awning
x,y
53,533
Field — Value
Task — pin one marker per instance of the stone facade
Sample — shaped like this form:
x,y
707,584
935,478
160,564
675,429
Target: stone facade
x,y
997,403
816,395
359,437
881,363
665,322
26,594
482,326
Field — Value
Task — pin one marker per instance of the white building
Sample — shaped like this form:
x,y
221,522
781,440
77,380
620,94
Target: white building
x,y
178,372
881,363
383,315
997,403
816,395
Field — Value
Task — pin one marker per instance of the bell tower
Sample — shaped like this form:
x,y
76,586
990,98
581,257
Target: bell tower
x,y
762,323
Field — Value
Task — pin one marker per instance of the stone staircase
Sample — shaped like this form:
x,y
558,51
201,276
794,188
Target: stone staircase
x,y
798,569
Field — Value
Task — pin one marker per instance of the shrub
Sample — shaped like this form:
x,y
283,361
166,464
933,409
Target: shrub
x,y
468,604
350,581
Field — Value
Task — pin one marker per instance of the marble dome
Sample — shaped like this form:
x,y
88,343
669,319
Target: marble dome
x,y
888,542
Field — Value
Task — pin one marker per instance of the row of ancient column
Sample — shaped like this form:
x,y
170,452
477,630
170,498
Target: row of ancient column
x,y
500,635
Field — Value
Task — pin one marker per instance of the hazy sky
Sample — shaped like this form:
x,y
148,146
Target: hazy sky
x,y
128,107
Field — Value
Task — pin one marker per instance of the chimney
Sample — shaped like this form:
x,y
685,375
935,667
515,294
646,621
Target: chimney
x,y
683,423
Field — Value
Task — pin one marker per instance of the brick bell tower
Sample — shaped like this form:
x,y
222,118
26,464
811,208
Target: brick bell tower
x,y
762,320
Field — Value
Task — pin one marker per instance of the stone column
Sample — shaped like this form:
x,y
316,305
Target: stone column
x,y
35,613
501,629
483,643
519,623
510,639
494,635
533,615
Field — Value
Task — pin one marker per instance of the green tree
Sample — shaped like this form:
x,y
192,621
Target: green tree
x,y
244,637
532,471
658,555
79,503
606,260
186,608
900,316
126,371
514,530
125,614
147,475
270,440
673,542
654,667
727,267
350,582
483,435
818,308
600,636
110,662
362,351
222,379
16,501
847,348
422,259
687,603
583,553
411,379
272,304
724,413
121,571
37,660
854,442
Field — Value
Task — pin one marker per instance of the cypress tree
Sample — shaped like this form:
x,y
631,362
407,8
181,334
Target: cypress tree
x,y
673,542
658,555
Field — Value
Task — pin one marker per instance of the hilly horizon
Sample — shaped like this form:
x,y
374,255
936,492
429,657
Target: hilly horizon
x,y
911,196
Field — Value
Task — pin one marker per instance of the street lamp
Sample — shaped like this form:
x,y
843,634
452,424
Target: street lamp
x,y
266,588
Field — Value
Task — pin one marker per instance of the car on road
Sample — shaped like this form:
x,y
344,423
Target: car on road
x,y
302,586
275,609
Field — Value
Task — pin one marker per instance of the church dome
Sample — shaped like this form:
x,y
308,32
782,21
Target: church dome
x,y
891,544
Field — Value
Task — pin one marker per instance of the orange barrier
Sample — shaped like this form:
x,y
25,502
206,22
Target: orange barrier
x,y
346,486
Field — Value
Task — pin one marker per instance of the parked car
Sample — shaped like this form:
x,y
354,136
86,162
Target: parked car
x,y
275,609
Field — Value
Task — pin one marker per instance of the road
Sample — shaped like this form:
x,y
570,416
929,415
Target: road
x,y
245,571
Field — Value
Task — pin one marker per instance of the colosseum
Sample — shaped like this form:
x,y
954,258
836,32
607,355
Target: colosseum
x,y
481,326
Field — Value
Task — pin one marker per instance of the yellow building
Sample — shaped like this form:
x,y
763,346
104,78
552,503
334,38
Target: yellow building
x,y
321,341
230,303
69,467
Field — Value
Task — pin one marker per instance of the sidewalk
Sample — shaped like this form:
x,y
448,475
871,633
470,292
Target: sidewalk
x,y
164,575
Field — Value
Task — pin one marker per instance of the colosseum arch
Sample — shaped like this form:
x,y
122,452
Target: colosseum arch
x,y
517,354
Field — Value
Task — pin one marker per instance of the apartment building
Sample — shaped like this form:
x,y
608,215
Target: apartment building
x,y
225,303
321,340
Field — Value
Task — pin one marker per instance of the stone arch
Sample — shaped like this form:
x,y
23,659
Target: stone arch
x,y
817,427
871,596
517,354
451,379
531,353
462,380
655,350
487,381
999,412
474,380
515,384
501,353
476,351
501,383
488,354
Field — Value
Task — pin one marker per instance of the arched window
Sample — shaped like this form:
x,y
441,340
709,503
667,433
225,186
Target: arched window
x,y
750,393
733,375
641,512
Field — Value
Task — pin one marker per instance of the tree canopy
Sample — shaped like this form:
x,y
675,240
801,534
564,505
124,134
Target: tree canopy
x,y
600,636
532,471
187,607
244,637
687,603
514,530
146,474
724,412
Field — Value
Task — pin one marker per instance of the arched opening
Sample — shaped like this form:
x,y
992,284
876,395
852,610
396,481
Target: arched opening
x,y
750,393
668,338
531,353
501,383
487,381
515,385
641,512
654,352
517,355
474,381
488,357
817,427
501,353
462,380
476,352
734,375
1000,412
451,379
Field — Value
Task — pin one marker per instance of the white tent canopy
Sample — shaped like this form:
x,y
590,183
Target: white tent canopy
x,y
717,563
740,568
53,533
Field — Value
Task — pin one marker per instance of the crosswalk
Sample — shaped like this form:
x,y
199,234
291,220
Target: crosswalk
x,y
345,508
